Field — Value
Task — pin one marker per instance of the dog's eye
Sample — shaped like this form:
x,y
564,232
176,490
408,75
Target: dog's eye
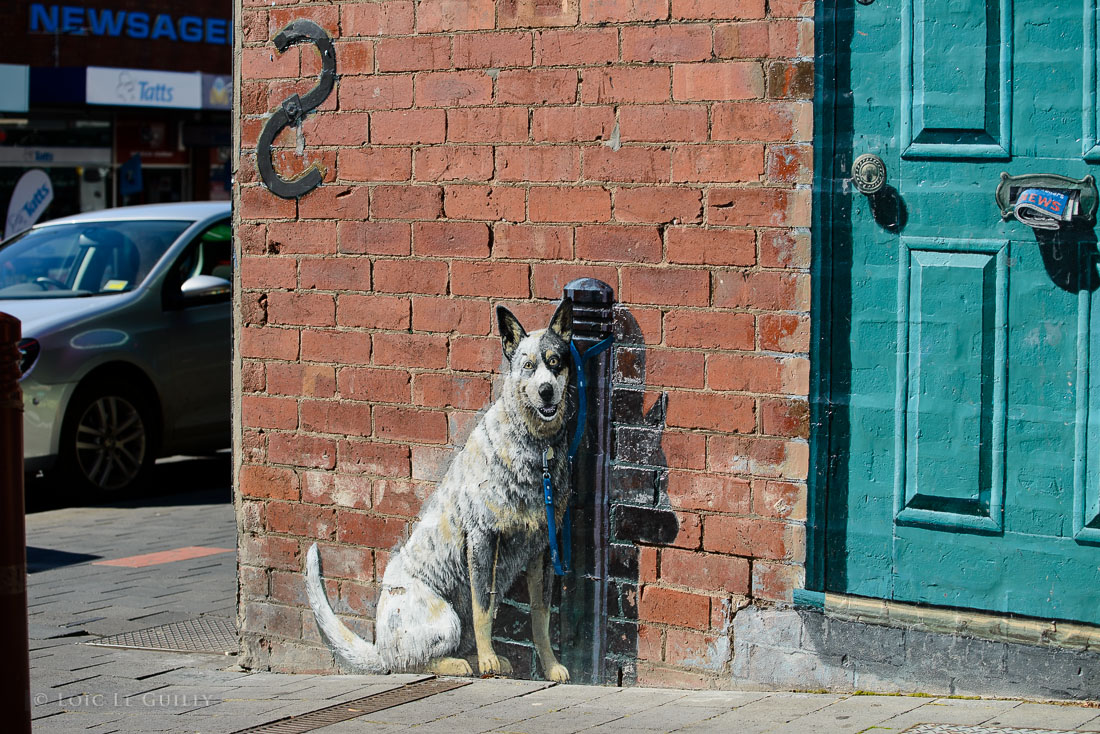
x,y
553,361
528,365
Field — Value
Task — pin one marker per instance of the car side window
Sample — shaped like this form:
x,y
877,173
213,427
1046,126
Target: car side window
x,y
211,253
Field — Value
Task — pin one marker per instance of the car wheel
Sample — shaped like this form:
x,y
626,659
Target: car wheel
x,y
107,443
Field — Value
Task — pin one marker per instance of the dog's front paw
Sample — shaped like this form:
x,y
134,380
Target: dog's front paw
x,y
558,673
492,663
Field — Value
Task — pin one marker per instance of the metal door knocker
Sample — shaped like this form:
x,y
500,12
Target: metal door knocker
x,y
294,109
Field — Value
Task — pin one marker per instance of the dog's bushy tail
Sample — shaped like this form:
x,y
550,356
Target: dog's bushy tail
x,y
350,649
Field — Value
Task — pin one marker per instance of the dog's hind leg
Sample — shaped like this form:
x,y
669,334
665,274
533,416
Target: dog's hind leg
x,y
417,629
537,592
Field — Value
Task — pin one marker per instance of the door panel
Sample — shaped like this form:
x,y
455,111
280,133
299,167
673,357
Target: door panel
x,y
964,368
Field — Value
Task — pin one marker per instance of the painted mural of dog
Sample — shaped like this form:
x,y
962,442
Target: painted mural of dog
x,y
484,524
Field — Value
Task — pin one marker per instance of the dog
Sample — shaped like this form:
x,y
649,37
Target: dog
x,y
485,523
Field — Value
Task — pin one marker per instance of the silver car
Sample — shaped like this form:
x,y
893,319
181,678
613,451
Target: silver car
x,y
126,339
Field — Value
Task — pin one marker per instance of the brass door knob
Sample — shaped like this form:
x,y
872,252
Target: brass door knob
x,y
869,173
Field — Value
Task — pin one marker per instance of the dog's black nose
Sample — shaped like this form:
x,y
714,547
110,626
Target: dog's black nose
x,y
546,391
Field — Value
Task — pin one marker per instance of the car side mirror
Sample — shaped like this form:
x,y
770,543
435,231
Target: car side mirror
x,y
204,286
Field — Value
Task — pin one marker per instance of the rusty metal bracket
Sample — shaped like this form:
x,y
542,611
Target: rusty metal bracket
x,y
294,109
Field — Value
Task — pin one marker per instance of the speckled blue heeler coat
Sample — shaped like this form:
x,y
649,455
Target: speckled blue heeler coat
x,y
485,523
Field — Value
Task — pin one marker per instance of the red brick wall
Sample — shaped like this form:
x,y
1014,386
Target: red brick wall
x,y
482,152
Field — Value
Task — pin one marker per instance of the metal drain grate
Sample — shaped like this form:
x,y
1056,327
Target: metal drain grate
x,y
356,708
205,634
960,729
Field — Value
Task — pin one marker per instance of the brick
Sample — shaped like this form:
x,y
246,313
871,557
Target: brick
x,y
342,128
718,163
666,43
619,244
696,246
269,343
400,498
696,650
450,391
574,124
407,202
758,373
267,63
336,346
487,125
451,315
709,330
584,47
312,238
683,450
549,279
377,18
355,57
475,354
765,457
712,411
781,332
268,272
270,552
625,84
669,606
375,164
408,424
252,238
790,164
451,239
259,203
718,81
453,88
253,309
666,286
427,351
717,9
633,164
570,204
436,16
534,242
763,121
453,163
708,492
366,457
347,562
782,248
623,11
672,368
537,86
410,276
332,416
269,482
492,50
766,289
759,207
376,385
253,377
789,418
326,16
500,280
663,123
782,500
650,642
791,80
776,581
381,92
335,203
492,203
406,127
305,380
750,536
298,450
374,238
758,39
369,530
335,274
372,311
791,8
659,205
536,13
536,163
705,571
303,309
418,53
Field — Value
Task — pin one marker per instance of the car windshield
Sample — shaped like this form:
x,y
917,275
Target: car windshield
x,y
84,259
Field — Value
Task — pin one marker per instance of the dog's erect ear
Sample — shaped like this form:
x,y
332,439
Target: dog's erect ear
x,y
562,323
511,331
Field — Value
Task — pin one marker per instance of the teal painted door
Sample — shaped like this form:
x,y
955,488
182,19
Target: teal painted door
x,y
963,352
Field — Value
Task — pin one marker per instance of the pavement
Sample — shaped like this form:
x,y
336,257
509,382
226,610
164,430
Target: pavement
x,y
75,598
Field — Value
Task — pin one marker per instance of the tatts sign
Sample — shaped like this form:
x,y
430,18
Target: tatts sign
x,y
141,88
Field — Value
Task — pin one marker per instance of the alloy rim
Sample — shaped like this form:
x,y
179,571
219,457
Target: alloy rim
x,y
110,442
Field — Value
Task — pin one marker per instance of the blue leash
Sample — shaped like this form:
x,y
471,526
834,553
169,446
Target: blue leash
x,y
563,560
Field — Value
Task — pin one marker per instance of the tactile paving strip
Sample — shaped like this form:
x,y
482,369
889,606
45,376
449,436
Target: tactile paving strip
x,y
356,708
959,729
205,634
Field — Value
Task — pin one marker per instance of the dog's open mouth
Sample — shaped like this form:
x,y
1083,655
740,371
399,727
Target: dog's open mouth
x,y
547,411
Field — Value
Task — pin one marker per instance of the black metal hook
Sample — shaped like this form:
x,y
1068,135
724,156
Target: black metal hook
x,y
294,109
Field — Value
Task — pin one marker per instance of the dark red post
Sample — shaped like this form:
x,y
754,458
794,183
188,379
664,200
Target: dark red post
x,y
15,697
